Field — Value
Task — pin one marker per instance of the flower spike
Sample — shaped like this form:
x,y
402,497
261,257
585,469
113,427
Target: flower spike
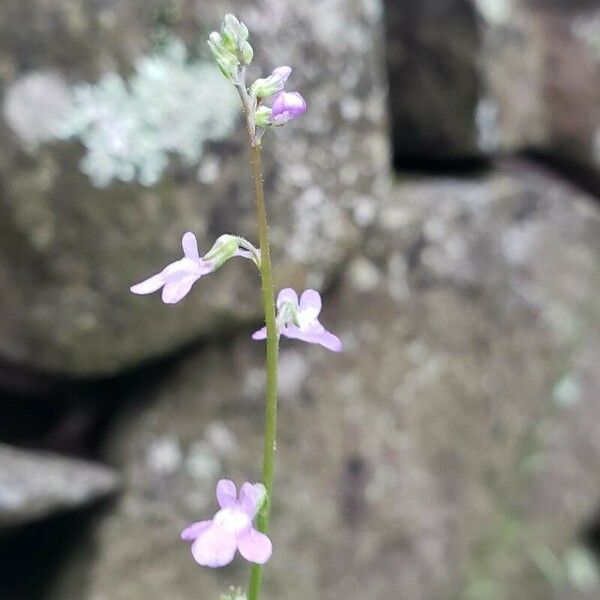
x,y
215,541
299,320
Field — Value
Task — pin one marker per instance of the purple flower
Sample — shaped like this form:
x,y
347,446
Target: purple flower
x,y
287,106
216,540
178,278
298,320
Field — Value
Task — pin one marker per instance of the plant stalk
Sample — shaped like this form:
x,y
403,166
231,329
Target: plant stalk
x,y
268,294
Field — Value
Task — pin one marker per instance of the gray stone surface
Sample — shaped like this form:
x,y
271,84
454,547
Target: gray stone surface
x,y
35,484
472,78
466,78
69,251
450,451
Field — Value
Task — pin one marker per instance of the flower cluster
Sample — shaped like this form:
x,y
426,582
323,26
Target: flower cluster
x,y
266,99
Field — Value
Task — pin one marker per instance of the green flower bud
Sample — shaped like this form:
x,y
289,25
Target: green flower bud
x,y
262,117
227,61
271,85
234,28
247,52
233,594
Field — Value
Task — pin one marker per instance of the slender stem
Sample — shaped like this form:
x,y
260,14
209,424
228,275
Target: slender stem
x,y
268,294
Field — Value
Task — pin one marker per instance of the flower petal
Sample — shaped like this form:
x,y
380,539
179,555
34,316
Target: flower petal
x,y
261,334
255,546
317,334
190,246
226,493
215,547
174,291
149,285
310,304
190,533
287,295
250,496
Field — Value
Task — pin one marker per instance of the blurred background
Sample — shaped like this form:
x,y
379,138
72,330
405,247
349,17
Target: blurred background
x,y
442,191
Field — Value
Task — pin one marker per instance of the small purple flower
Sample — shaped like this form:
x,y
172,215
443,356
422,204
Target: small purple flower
x,y
177,278
287,106
216,540
299,320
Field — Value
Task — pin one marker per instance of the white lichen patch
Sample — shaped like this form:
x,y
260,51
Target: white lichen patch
x,y
495,12
170,106
34,105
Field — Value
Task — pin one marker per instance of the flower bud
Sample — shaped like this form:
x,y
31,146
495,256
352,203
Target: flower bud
x,y
234,594
226,60
271,85
287,106
234,28
247,52
230,47
262,117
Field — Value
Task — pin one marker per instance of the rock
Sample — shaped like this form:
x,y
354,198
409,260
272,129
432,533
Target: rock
x,y
69,250
449,451
572,90
466,79
472,78
35,484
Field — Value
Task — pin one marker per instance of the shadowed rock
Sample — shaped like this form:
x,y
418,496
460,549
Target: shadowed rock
x,y
450,448
35,484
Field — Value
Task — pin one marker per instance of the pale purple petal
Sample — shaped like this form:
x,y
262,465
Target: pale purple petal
x,y
226,493
282,73
261,334
316,334
190,533
287,106
150,285
190,246
215,547
310,303
175,291
287,295
250,495
255,546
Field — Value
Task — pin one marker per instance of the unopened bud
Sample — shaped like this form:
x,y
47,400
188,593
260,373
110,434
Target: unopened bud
x,y
273,84
287,106
262,117
247,52
234,28
226,60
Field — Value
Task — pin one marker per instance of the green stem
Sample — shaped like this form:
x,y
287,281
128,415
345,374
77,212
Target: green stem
x,y
268,294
